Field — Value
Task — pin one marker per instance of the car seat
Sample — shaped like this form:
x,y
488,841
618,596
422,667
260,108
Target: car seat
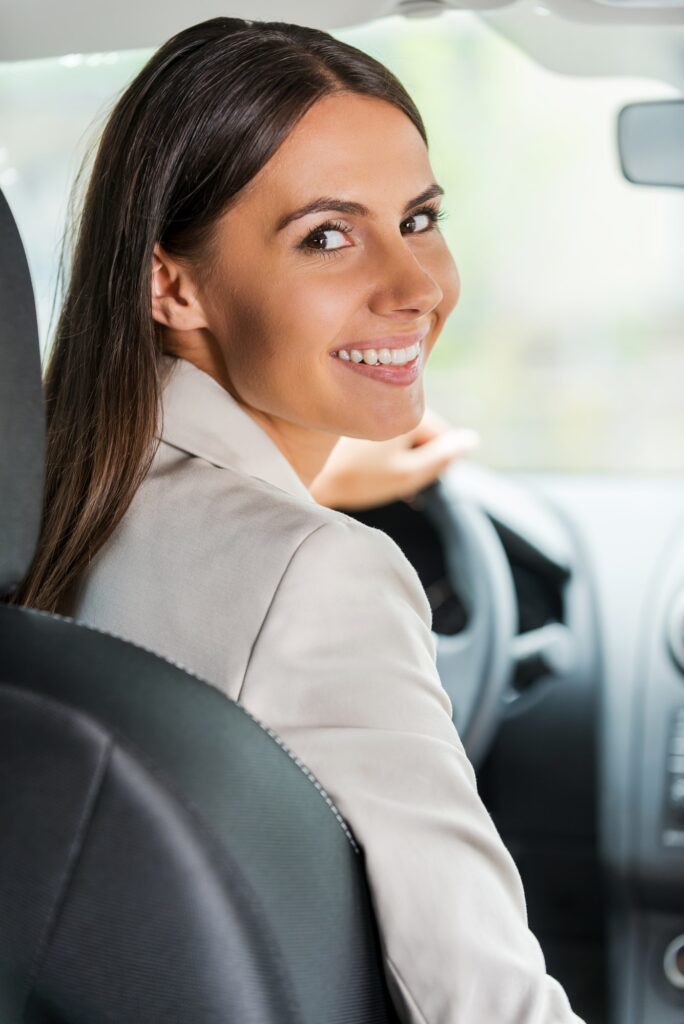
x,y
164,857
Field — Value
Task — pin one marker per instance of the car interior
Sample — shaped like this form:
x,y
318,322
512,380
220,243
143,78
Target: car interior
x,y
173,860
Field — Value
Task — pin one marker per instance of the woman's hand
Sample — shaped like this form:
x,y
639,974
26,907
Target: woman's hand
x,y
363,474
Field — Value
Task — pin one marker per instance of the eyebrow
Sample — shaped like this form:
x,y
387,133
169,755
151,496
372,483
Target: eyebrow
x,y
328,203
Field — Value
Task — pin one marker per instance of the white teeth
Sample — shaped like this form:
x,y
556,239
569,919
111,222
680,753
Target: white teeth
x,y
386,356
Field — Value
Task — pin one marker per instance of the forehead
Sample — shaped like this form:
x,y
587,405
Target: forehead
x,y
348,146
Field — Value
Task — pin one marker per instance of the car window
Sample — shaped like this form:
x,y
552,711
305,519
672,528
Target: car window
x,y
565,350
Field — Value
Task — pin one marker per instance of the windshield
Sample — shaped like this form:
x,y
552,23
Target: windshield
x,y
565,351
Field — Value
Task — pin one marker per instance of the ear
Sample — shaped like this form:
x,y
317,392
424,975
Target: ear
x,y
174,298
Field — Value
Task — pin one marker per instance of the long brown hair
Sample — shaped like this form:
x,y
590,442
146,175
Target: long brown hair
x,y
197,123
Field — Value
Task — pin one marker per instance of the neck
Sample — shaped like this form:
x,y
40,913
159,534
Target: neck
x,y
305,449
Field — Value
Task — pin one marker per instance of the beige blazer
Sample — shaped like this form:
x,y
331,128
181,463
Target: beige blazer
x,y
320,627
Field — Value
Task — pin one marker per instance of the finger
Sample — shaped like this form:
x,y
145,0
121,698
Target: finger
x,y
431,425
425,463
449,443
434,419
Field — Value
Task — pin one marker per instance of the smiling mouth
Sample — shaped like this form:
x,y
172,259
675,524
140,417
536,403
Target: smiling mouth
x,y
386,373
386,357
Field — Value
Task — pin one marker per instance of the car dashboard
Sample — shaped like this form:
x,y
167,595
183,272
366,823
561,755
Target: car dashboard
x,y
585,776
587,784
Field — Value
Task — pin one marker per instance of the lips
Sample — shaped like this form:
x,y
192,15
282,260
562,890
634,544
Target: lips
x,y
392,341
403,375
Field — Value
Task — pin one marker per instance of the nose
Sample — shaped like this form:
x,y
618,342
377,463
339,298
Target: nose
x,y
403,282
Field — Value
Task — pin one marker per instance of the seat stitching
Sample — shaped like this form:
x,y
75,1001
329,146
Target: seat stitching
x,y
175,664
310,776
281,743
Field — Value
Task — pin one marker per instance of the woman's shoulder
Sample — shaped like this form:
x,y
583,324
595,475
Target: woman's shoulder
x,y
183,486
367,571
226,510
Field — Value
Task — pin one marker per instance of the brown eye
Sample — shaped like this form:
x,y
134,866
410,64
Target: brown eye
x,y
433,215
318,235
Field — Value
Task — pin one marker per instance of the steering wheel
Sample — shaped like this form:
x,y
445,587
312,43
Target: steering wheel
x,y
472,594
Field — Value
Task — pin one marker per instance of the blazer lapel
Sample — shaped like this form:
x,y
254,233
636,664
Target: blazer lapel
x,y
202,418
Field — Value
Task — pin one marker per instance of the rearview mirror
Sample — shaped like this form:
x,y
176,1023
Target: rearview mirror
x,y
651,142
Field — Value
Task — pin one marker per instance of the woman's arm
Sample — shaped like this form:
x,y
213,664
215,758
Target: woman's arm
x,y
343,670
362,474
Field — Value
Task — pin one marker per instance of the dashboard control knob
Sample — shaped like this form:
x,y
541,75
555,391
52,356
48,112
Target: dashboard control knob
x,y
675,629
673,962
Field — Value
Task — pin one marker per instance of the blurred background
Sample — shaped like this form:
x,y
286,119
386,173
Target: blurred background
x,y
566,350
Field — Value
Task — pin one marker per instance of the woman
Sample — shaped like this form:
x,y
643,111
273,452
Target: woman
x,y
258,272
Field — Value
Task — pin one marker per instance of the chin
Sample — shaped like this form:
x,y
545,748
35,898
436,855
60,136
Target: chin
x,y
393,423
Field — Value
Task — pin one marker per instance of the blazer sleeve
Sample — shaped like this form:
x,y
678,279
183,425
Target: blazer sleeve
x,y
343,669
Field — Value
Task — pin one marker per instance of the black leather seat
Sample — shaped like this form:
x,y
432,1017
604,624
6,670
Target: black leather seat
x,y
163,856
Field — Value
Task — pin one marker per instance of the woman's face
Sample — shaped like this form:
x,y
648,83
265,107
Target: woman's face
x,y
286,292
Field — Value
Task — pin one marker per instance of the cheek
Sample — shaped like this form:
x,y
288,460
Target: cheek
x,y
279,329
314,308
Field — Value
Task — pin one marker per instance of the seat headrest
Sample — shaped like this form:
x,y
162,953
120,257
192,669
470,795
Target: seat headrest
x,y
22,414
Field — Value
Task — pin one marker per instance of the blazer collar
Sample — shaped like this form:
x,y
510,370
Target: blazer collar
x,y
202,418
